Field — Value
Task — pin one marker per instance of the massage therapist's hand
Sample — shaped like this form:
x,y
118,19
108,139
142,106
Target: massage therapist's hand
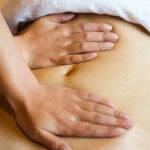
x,y
48,42
49,111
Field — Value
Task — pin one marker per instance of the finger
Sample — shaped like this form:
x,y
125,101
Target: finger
x,y
78,58
61,18
94,37
87,96
84,129
98,118
97,27
87,47
44,24
52,21
52,142
90,27
95,107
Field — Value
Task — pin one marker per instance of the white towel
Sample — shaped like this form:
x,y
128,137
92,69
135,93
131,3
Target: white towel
x,y
135,11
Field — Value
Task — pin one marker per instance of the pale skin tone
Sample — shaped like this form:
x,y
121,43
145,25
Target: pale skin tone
x,y
63,111
48,43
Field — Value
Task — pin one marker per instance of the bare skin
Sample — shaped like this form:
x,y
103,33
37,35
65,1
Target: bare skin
x,y
69,112
49,42
43,112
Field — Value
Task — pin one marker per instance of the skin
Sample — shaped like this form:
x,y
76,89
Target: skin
x,y
43,112
49,42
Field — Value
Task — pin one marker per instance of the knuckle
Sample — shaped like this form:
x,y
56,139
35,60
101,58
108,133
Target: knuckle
x,y
67,44
117,114
84,35
121,115
96,117
90,96
95,107
119,122
61,60
111,111
90,130
78,108
82,46
102,25
91,106
106,36
64,31
112,132
81,26
88,26
101,46
104,101
72,59
83,57
66,131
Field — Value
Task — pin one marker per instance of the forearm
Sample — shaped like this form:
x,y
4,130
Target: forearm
x,y
15,76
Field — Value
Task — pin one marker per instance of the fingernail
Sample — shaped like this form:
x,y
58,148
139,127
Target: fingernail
x,y
128,123
91,55
109,45
67,17
70,15
65,147
113,37
121,131
123,115
107,27
112,105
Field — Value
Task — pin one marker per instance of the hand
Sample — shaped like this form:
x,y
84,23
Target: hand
x,y
48,43
50,111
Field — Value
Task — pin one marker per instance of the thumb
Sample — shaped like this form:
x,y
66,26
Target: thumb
x,y
61,18
53,142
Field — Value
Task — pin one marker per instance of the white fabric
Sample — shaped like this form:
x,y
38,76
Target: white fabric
x,y
135,11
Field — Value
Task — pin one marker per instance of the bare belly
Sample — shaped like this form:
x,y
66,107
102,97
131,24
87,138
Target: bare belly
x,y
121,75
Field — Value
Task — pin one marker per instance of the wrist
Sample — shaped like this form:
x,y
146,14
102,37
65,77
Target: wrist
x,y
20,96
22,46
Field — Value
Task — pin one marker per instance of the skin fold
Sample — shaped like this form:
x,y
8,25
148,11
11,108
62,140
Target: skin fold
x,y
45,111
